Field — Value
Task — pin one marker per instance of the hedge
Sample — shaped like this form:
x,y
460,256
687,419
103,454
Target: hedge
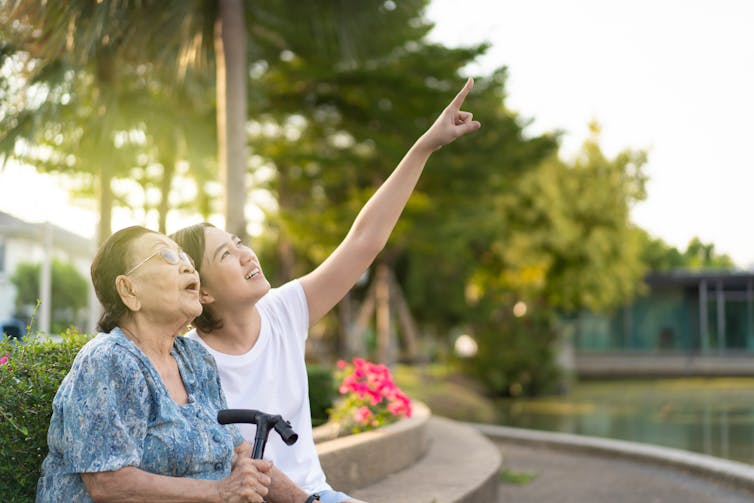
x,y
30,373
321,392
29,378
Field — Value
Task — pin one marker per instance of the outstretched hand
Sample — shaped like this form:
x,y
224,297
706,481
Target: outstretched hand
x,y
452,122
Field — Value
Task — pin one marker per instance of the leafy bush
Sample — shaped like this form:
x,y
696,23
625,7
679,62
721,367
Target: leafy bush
x,y
515,356
321,392
30,374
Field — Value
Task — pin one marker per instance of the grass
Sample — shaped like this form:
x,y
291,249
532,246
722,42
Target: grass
x,y
508,476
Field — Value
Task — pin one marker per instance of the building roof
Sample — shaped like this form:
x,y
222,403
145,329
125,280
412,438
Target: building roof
x,y
682,277
63,239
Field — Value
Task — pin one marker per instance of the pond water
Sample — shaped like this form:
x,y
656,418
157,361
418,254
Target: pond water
x,y
710,416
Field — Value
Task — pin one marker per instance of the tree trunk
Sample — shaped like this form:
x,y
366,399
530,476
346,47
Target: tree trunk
x,y
409,330
105,69
168,162
285,249
356,344
345,322
230,56
382,304
104,202
168,172
287,258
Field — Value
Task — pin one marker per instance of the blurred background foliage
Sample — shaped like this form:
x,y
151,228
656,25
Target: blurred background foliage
x,y
120,97
70,294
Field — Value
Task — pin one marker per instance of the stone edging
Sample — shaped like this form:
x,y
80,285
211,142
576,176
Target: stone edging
x,y
358,460
735,474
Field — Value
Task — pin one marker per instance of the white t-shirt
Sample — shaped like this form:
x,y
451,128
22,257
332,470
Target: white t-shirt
x,y
272,378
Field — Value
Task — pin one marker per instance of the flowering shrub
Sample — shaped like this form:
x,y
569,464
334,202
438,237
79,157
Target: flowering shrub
x,y
370,397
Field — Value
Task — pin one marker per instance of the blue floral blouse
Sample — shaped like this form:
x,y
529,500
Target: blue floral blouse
x,y
112,410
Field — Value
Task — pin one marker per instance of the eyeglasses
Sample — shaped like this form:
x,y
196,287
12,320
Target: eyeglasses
x,y
169,255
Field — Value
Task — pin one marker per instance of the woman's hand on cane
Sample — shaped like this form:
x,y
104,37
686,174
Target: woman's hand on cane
x,y
248,482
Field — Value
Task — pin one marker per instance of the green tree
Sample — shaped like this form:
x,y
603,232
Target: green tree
x,y
569,240
108,37
69,295
66,56
566,243
662,257
170,39
700,255
332,132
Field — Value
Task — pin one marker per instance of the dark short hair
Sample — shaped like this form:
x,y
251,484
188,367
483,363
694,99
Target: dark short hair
x,y
113,259
191,240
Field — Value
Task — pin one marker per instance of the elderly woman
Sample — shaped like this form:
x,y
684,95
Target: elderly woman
x,y
135,418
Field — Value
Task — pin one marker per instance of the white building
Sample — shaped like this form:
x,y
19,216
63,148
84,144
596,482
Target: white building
x,y
22,241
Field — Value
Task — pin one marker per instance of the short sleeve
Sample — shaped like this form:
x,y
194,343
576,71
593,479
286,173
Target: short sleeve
x,y
298,305
105,411
289,307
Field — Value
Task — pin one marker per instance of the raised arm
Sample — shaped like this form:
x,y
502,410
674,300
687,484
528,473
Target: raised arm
x,y
331,280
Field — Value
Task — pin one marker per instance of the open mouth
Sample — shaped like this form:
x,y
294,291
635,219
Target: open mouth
x,y
193,287
253,273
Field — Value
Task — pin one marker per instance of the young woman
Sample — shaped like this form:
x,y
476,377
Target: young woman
x,y
257,335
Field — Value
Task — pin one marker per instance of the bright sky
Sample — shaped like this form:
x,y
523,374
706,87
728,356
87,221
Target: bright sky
x,y
675,77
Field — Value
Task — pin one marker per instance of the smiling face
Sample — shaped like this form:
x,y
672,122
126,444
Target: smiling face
x,y
230,271
164,292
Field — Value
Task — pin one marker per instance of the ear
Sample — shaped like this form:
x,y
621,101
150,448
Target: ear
x,y
127,293
204,297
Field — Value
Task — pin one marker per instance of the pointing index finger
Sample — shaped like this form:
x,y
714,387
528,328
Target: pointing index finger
x,y
458,100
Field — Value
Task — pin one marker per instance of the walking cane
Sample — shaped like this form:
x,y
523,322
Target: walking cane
x,y
263,422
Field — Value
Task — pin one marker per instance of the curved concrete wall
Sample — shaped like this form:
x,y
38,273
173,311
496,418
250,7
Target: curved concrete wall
x,y
356,461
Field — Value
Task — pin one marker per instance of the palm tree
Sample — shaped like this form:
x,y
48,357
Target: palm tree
x,y
177,36
103,36
230,64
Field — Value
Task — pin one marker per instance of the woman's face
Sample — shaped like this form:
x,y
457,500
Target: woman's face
x,y
230,270
165,291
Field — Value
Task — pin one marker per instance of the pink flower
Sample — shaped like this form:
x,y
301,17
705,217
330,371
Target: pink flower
x,y
387,389
4,359
362,415
395,408
381,370
374,397
399,409
371,396
347,385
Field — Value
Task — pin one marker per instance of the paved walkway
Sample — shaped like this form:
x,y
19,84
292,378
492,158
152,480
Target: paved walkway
x,y
574,477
